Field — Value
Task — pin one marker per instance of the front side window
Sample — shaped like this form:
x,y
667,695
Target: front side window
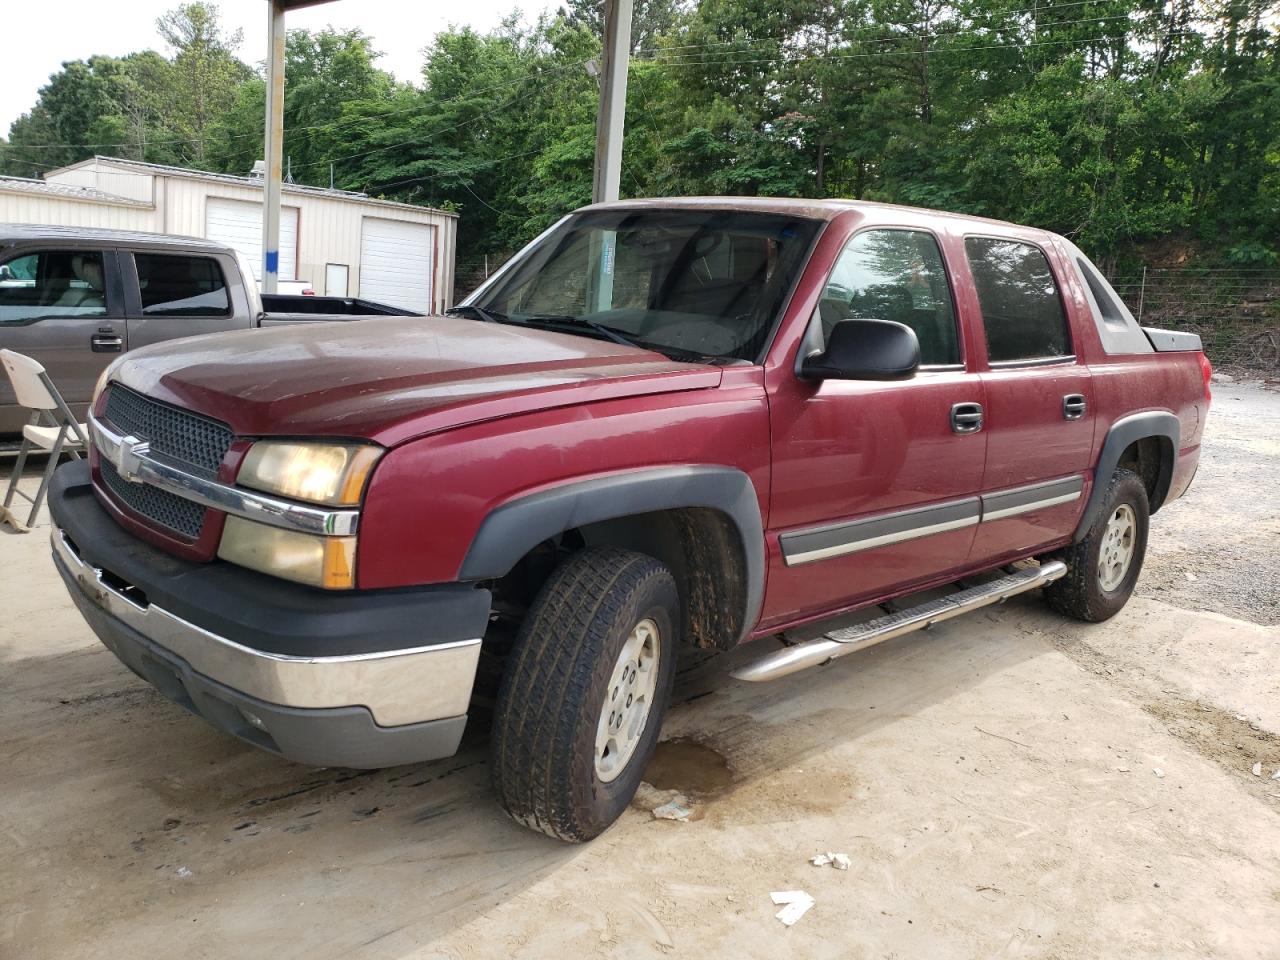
x,y
54,283
895,275
172,285
705,285
1021,309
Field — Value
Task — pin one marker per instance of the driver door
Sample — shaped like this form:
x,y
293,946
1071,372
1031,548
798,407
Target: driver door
x,y
875,483
62,308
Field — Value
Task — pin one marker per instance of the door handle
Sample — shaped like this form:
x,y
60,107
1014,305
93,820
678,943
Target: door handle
x,y
1073,406
106,343
966,417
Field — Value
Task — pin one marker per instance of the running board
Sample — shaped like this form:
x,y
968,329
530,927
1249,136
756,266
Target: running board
x,y
839,643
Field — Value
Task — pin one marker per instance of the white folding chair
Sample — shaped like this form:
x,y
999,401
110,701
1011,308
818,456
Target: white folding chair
x,y
51,422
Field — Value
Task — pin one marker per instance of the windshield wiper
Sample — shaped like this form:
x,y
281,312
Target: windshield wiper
x,y
480,313
568,320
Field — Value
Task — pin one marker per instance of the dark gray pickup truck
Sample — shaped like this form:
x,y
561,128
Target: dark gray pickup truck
x,y
73,298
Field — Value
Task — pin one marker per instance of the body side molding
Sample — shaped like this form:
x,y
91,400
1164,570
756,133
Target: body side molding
x,y
516,527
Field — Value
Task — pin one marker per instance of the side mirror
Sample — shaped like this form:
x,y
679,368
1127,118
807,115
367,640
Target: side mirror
x,y
865,350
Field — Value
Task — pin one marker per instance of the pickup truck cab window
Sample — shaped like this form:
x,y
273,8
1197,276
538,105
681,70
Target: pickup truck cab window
x,y
895,275
180,286
1021,306
694,284
55,283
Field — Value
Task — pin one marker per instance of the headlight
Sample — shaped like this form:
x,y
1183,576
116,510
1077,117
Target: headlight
x,y
327,562
333,474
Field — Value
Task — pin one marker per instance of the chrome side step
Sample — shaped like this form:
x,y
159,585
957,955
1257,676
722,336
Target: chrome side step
x,y
839,643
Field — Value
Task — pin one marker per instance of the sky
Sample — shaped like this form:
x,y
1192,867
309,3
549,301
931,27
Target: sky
x,y
36,46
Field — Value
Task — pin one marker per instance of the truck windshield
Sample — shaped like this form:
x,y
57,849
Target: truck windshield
x,y
693,284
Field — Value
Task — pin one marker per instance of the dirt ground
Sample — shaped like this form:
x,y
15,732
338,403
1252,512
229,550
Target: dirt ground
x,y
1008,785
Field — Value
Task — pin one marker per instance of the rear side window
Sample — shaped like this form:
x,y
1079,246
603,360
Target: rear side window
x,y
895,275
1021,308
50,284
178,286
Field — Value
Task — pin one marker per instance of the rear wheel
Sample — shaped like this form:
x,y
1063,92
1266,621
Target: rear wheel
x,y
1103,568
581,703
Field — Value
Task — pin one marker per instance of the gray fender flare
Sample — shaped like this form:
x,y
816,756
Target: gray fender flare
x,y
516,527
1123,433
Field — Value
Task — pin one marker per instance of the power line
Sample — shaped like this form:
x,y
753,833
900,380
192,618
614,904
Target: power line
x,y
975,28
898,53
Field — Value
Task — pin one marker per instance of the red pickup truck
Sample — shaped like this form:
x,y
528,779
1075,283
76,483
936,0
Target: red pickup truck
x,y
664,422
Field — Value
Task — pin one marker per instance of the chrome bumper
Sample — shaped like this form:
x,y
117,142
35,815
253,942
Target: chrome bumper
x,y
397,687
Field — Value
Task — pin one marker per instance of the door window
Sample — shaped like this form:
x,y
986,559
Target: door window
x,y
895,275
1021,309
178,286
67,283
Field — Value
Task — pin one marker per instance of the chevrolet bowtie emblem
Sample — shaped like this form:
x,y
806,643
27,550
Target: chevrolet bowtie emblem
x,y
128,459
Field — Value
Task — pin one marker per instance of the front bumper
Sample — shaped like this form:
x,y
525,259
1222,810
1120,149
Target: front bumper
x,y
357,679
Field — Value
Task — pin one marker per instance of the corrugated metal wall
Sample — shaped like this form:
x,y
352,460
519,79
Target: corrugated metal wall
x,y
29,208
123,183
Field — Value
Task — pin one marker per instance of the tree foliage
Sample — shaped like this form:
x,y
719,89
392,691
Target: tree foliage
x,y
1112,121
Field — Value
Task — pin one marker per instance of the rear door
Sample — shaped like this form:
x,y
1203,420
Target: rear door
x,y
1039,409
875,485
62,307
174,294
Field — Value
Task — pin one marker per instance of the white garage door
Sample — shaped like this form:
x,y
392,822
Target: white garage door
x,y
396,263
238,224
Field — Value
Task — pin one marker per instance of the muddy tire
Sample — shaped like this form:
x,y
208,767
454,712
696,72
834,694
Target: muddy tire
x,y
582,698
1103,568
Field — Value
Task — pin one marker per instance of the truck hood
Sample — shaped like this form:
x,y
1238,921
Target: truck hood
x,y
394,378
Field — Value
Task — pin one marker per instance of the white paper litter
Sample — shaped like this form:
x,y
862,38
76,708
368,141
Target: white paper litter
x,y
797,904
840,861
1257,769
183,872
1158,772
678,809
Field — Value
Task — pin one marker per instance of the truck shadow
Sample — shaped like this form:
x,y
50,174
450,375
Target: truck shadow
x,y
131,820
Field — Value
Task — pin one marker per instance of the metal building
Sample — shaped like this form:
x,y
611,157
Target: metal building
x,y
341,243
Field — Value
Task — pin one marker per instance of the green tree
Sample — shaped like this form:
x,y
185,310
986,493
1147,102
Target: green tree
x,y
205,74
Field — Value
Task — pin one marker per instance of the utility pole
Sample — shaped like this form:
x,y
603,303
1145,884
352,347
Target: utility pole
x,y
274,143
611,119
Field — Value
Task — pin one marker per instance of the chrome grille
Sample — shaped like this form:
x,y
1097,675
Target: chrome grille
x,y
184,517
174,433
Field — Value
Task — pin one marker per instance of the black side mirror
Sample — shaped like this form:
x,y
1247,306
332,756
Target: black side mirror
x,y
865,350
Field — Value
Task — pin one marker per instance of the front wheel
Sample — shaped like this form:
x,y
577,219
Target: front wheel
x,y
584,692
1103,568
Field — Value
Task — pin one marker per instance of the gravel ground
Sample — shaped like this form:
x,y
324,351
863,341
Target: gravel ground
x,y
1216,549
1011,784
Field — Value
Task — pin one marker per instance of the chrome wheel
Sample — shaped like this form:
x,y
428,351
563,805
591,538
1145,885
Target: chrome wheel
x,y
627,700
1116,552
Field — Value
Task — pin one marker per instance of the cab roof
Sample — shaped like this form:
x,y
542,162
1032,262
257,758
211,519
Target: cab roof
x,y
826,209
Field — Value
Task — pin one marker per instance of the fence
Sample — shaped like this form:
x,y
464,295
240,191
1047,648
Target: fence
x,y
1235,310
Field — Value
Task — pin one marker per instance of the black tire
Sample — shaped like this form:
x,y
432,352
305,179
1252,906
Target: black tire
x,y
1080,593
556,680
